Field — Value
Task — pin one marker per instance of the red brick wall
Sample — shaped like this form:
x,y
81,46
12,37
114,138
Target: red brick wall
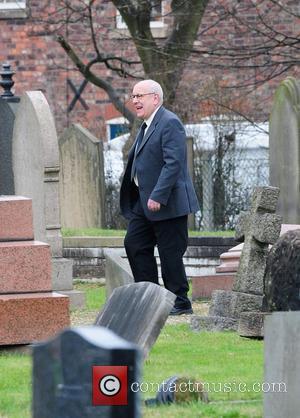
x,y
41,64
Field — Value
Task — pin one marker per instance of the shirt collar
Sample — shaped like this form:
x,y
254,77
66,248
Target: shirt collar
x,y
151,117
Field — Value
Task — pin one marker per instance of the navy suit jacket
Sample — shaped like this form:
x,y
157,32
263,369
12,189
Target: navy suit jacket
x,y
161,168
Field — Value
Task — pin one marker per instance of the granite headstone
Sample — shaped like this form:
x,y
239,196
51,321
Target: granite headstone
x,y
7,119
63,375
282,276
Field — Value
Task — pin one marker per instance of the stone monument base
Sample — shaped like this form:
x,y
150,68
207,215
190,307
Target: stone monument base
x,y
31,317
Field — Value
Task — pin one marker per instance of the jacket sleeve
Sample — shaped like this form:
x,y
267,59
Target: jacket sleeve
x,y
173,143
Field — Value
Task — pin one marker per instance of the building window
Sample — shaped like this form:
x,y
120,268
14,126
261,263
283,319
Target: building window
x,y
156,16
12,4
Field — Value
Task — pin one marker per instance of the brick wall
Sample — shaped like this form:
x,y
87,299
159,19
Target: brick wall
x,y
41,64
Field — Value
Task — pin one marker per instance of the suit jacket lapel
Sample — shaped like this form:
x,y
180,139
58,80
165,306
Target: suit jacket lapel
x,y
151,129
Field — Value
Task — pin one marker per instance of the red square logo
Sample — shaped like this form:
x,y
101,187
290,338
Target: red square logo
x,y
110,385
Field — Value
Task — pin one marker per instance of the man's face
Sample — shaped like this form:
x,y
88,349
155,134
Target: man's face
x,y
145,105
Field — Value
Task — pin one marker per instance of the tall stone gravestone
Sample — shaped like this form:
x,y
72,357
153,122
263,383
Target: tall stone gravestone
x,y
285,149
282,365
258,228
82,189
36,175
67,377
137,312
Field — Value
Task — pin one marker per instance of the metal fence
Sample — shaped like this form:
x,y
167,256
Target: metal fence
x,y
224,188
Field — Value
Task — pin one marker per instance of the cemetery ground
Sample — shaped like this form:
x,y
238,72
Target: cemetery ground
x,y
211,357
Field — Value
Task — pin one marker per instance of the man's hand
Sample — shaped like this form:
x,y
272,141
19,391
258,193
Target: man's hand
x,y
153,206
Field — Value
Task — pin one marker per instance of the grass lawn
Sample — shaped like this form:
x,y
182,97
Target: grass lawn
x,y
98,232
221,360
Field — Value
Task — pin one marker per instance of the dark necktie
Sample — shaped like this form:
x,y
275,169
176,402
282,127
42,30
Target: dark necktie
x,y
138,143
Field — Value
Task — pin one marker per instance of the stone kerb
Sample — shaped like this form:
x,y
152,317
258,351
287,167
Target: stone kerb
x,y
82,189
285,148
117,271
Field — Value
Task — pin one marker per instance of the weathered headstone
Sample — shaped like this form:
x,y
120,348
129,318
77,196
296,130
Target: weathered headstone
x,y
82,189
36,175
282,365
259,228
65,382
285,148
137,312
282,277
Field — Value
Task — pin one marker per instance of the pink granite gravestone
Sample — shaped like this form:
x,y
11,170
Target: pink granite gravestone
x,y
29,310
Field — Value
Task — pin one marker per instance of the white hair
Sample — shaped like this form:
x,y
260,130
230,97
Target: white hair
x,y
154,87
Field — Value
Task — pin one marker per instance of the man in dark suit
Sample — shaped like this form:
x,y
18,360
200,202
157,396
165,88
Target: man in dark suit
x,y
157,195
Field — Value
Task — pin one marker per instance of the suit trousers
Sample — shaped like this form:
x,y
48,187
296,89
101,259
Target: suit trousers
x,y
171,238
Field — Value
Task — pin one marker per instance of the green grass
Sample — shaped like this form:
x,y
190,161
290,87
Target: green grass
x,y
98,232
214,358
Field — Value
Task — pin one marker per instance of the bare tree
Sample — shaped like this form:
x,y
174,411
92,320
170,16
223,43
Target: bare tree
x,y
268,41
163,60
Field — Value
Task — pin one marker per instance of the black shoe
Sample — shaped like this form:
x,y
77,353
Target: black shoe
x,y
181,311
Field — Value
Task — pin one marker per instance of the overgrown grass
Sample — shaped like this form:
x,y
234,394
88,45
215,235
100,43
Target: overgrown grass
x,y
98,232
214,358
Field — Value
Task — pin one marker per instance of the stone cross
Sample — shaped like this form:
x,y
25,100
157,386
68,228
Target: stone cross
x,y
257,228
70,370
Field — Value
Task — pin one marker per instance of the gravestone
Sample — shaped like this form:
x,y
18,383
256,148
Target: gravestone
x,y
117,271
282,365
258,228
64,371
285,148
82,189
7,119
282,277
29,310
36,175
8,107
137,312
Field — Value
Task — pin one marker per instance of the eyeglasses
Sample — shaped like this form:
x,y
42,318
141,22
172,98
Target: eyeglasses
x,y
139,96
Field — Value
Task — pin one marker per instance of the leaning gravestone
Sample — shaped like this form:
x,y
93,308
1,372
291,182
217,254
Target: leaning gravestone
x,y
285,148
282,277
36,175
137,312
258,228
68,375
82,189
